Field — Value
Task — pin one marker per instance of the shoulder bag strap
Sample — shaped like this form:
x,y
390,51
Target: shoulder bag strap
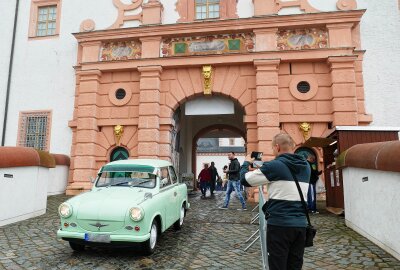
x,y
301,195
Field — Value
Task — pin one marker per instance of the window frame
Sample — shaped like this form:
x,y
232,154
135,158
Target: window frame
x,y
22,129
207,4
34,18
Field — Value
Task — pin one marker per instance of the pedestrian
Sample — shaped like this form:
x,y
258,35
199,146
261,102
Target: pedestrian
x,y
214,177
312,192
224,178
204,178
233,182
285,214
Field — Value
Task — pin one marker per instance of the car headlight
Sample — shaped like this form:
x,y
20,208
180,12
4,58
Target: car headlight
x,y
65,210
136,213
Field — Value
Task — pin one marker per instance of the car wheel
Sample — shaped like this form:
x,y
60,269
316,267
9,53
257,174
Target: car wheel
x,y
150,245
179,223
76,247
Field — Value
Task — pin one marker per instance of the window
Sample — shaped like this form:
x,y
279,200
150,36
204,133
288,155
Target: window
x,y
172,173
165,179
46,23
34,130
45,18
207,9
231,141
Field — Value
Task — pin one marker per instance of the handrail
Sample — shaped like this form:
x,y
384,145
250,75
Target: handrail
x,y
263,228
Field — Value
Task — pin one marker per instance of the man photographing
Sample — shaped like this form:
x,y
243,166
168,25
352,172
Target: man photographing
x,y
286,219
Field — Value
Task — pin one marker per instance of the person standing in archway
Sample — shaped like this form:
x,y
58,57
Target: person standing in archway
x,y
312,192
204,178
214,177
233,182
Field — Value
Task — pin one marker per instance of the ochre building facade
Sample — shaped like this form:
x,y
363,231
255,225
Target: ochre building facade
x,y
281,70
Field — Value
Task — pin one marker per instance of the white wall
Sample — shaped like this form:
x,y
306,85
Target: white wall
x,y
58,180
43,77
7,12
371,207
23,196
220,162
380,37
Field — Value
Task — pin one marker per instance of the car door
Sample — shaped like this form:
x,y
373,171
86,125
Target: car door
x,y
167,191
177,193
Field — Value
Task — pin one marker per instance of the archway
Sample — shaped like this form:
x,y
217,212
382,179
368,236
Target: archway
x,y
119,153
215,116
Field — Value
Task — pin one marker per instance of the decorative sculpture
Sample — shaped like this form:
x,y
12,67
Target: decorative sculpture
x,y
118,132
306,130
207,76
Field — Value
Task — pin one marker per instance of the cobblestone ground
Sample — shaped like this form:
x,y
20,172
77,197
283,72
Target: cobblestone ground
x,y
210,239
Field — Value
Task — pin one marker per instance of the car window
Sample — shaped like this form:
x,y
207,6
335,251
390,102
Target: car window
x,y
165,179
126,179
174,178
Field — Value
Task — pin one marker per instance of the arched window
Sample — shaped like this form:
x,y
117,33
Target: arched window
x,y
206,9
119,153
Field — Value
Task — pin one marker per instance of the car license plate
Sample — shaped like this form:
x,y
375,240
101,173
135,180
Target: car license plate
x,y
99,238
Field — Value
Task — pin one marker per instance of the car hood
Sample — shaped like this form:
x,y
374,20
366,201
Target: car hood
x,y
107,203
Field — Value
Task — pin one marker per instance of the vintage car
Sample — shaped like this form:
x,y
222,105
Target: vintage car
x,y
132,201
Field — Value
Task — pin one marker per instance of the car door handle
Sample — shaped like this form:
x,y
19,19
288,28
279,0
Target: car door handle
x,y
175,194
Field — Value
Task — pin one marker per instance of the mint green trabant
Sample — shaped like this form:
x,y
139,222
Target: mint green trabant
x,y
132,201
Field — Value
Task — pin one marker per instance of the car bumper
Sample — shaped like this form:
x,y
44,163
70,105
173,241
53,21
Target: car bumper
x,y
114,237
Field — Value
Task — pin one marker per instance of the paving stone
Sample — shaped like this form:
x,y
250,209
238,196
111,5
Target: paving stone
x,y
211,238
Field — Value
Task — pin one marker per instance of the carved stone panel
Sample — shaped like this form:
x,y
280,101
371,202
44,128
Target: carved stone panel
x,y
215,44
123,50
297,39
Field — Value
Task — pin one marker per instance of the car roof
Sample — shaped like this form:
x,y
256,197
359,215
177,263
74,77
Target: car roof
x,y
147,162
140,165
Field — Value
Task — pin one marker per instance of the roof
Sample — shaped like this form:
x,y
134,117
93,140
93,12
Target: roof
x,y
141,165
383,156
360,128
25,156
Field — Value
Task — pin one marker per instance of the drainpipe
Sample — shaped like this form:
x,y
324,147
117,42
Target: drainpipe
x,y
3,138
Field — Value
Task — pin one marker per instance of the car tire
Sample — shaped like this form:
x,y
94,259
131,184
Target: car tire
x,y
179,223
76,247
150,245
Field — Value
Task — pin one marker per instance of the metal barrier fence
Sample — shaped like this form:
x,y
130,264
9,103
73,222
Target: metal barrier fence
x,y
262,230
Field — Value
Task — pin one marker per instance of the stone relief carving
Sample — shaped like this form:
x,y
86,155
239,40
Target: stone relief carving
x,y
215,44
123,50
296,39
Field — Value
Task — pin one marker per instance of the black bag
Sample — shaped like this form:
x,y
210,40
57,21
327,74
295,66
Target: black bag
x,y
310,230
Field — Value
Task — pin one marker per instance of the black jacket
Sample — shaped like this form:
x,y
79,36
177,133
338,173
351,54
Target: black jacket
x,y
314,174
234,170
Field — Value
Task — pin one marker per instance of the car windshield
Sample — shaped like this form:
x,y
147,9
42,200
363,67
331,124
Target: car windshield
x,y
126,179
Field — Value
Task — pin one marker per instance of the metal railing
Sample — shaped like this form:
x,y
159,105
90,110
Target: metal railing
x,y
261,232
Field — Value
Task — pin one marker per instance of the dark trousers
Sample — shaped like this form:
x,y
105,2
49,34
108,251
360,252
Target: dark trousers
x,y
212,186
312,198
203,187
285,247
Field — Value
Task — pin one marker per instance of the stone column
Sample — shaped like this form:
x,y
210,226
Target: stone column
x,y
84,148
149,112
267,104
344,97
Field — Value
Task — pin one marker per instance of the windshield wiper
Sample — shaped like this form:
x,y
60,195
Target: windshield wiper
x,y
145,181
120,184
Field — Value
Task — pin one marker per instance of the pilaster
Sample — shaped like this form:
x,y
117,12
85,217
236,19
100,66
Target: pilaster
x,y
83,156
344,95
267,103
149,112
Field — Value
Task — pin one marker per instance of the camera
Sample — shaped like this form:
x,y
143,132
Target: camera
x,y
257,159
256,155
